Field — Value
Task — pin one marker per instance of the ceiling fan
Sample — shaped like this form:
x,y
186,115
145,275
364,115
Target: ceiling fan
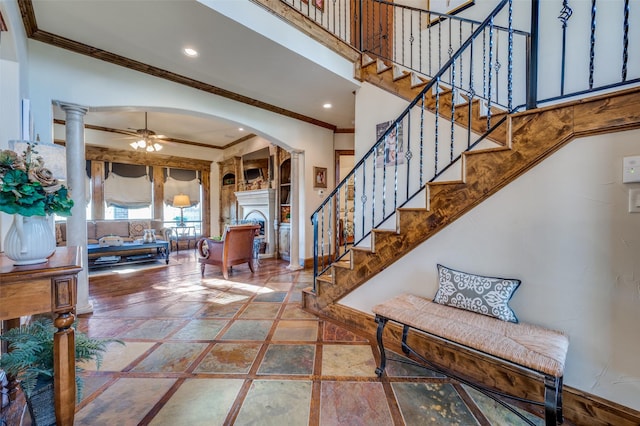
x,y
148,138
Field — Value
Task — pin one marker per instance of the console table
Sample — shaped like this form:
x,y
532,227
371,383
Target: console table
x,y
43,288
127,253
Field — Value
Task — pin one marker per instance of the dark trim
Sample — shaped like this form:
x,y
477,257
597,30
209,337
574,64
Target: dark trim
x,y
31,28
167,139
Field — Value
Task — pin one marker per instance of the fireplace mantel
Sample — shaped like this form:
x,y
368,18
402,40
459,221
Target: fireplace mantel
x,y
260,204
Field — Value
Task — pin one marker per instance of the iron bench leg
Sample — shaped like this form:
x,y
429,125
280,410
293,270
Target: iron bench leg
x,y
382,321
552,400
405,334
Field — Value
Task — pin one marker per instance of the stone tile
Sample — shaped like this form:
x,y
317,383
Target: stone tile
x,y
220,310
152,329
288,359
499,415
279,285
295,311
295,297
171,357
126,402
406,369
142,310
118,356
292,330
261,311
275,296
200,330
432,404
234,358
106,327
208,402
92,384
349,360
276,403
353,404
335,333
248,330
182,310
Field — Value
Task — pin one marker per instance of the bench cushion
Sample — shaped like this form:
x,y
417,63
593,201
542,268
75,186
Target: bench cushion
x,y
524,344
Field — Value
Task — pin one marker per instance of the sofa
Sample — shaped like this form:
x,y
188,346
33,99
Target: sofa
x,y
128,229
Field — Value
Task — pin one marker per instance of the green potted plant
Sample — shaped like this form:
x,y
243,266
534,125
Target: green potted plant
x,y
30,361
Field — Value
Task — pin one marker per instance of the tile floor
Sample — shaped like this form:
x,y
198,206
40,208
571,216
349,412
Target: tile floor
x,y
206,351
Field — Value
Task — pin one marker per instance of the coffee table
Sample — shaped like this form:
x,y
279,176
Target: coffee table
x,y
127,253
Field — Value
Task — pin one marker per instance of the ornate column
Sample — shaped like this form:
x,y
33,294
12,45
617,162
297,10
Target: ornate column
x,y
77,222
294,259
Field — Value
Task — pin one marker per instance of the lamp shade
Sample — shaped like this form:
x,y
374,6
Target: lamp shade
x,y
181,200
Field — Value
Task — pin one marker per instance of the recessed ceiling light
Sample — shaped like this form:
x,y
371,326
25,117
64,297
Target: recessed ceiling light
x,y
192,53
240,129
327,106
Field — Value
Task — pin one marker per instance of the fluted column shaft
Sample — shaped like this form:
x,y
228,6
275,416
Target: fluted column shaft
x,y
77,222
294,259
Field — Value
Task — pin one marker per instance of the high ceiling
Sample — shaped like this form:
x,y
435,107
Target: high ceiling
x,y
231,57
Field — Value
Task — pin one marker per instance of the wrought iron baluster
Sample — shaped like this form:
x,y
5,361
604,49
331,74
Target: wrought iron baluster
x,y
510,60
384,176
408,154
437,115
430,26
490,73
355,192
395,167
625,41
402,29
453,110
314,221
565,14
364,197
592,48
421,166
373,185
322,238
471,91
460,44
450,53
484,63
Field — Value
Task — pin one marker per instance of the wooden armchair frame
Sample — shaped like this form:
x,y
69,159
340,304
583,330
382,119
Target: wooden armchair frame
x,y
235,247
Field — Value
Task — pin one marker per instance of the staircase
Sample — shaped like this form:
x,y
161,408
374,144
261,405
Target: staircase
x,y
467,119
408,85
532,136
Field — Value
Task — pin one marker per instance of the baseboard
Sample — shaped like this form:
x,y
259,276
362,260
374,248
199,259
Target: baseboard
x,y
580,408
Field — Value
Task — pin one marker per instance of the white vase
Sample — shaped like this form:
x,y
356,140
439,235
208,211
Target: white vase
x,y
30,240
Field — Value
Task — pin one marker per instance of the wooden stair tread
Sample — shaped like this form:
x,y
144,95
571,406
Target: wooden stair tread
x,y
346,264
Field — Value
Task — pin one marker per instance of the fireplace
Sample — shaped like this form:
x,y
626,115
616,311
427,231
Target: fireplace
x,y
259,206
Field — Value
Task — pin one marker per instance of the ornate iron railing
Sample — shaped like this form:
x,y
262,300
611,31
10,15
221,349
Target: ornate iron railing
x,y
465,62
425,141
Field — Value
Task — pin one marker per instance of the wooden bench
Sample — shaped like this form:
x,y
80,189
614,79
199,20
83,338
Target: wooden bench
x,y
535,349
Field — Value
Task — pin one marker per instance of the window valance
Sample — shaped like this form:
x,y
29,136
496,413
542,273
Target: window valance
x,y
127,192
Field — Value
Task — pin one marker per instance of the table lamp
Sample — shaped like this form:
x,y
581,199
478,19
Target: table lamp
x,y
181,201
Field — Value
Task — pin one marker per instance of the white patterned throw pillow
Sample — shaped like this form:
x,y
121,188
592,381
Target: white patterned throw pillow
x,y
476,293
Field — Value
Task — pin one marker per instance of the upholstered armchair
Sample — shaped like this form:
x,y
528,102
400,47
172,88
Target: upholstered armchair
x,y
235,247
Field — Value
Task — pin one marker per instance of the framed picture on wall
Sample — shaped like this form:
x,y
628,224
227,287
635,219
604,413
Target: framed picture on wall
x,y
391,151
319,4
319,177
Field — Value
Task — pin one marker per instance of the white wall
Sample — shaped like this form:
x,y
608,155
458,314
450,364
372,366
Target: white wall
x,y
564,230
59,75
